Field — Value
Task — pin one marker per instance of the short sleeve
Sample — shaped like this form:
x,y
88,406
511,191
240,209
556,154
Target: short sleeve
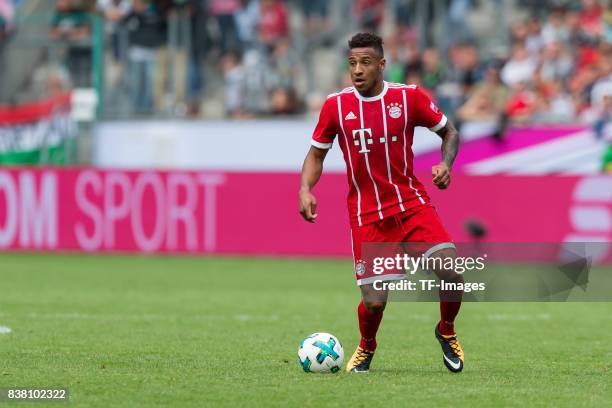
x,y
426,113
326,129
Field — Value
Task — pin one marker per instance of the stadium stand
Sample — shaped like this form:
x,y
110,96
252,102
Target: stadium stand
x,y
508,63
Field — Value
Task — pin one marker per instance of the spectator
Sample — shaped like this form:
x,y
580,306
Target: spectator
x,y
49,81
199,45
586,70
283,101
488,101
535,7
394,70
458,19
412,58
601,96
433,73
404,11
519,32
576,36
557,64
7,15
223,11
466,65
557,104
73,26
533,40
284,64
113,11
247,18
591,18
523,103
369,14
607,24
315,13
147,32
414,78
69,23
556,29
235,86
273,23
520,67
462,74
260,82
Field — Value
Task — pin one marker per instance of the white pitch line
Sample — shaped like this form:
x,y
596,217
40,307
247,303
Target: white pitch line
x,y
520,317
5,330
498,316
241,317
140,317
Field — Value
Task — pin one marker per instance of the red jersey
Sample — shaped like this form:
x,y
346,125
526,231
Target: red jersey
x,y
375,135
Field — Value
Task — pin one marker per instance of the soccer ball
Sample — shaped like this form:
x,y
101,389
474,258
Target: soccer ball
x,y
321,353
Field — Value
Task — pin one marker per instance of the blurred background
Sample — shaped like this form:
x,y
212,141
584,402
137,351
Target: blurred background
x,y
234,87
489,64
179,127
543,61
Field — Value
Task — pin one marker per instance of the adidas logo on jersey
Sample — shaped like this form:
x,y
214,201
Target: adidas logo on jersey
x,y
350,116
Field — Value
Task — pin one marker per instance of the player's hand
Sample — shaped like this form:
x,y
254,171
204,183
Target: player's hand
x,y
441,175
308,205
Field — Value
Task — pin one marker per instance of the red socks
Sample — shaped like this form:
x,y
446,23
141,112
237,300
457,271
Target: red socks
x,y
448,312
368,326
369,322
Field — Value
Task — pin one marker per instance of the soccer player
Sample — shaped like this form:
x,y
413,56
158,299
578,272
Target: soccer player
x,y
374,122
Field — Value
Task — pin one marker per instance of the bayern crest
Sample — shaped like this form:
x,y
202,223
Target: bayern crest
x,y
395,110
360,267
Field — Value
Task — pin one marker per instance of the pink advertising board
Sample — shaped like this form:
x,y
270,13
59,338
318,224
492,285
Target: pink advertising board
x,y
97,210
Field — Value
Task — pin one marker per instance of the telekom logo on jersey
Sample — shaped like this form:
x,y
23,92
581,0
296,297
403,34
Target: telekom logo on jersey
x,y
363,138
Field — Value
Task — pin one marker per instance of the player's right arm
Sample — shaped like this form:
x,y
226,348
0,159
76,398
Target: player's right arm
x,y
311,173
321,142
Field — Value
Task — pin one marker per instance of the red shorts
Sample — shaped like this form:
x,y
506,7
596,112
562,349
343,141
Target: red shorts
x,y
422,227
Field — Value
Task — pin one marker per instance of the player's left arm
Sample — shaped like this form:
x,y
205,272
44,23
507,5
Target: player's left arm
x,y
427,114
441,173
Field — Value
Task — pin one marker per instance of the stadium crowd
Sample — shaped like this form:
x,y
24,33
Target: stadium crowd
x,y
555,65
557,68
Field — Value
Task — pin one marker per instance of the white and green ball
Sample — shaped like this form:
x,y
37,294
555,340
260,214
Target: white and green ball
x,y
321,353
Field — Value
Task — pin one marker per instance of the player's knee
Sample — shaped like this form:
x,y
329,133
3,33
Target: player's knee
x,y
375,306
449,275
440,269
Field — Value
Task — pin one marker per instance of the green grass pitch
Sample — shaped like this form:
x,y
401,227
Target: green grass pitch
x,y
127,331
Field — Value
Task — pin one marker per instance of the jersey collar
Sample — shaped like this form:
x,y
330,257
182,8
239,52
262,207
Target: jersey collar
x,y
372,98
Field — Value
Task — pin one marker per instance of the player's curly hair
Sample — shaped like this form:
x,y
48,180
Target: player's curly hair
x,y
366,40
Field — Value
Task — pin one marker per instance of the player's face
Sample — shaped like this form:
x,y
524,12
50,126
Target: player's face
x,y
366,68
